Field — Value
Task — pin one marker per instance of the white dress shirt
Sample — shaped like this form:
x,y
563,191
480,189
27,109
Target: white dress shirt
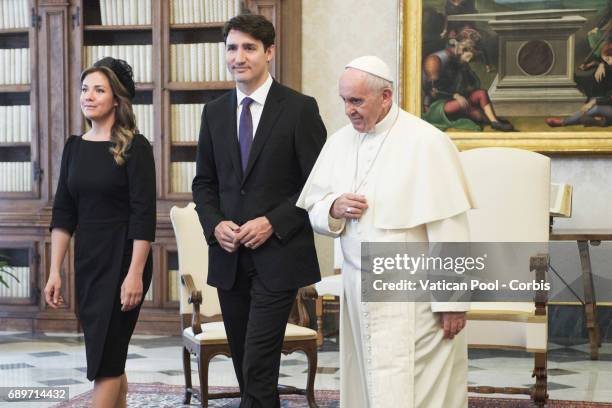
x,y
259,99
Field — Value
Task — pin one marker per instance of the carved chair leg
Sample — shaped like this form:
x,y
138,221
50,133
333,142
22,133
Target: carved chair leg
x,y
311,354
187,373
203,360
319,313
540,389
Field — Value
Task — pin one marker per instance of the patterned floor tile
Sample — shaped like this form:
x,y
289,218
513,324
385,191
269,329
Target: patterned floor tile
x,y
477,354
291,362
157,359
14,366
552,386
60,381
560,371
173,372
325,370
165,341
48,354
567,354
474,368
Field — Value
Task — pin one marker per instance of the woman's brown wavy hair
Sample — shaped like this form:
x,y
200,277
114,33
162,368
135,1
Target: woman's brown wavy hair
x,y
124,128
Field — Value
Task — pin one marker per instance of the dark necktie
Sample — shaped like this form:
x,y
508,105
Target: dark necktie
x,y
245,131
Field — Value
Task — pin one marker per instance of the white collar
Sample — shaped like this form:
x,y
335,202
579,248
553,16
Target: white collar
x,y
386,123
259,95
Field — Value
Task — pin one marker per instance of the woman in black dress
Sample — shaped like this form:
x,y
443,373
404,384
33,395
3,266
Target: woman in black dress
x,y
106,197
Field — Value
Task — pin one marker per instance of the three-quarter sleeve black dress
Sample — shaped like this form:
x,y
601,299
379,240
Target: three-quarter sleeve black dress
x,y
107,206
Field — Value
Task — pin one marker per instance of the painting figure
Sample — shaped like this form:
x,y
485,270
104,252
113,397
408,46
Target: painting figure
x,y
453,97
597,111
459,30
453,8
594,76
596,85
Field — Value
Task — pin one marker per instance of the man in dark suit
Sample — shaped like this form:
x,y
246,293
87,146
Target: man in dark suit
x,y
256,148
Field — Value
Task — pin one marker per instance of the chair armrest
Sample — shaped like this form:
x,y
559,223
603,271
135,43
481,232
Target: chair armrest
x,y
299,313
195,298
308,292
539,264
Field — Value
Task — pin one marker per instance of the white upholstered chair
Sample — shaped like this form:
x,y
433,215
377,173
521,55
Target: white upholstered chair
x,y
328,286
200,303
511,192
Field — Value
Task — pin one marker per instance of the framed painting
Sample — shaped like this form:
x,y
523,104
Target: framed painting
x,y
532,74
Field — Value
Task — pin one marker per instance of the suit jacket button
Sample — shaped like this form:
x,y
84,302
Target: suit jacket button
x,y
242,192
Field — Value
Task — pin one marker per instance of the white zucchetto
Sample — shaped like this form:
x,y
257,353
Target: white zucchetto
x,y
372,65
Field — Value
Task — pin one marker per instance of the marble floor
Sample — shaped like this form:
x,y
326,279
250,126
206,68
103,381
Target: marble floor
x,y
58,359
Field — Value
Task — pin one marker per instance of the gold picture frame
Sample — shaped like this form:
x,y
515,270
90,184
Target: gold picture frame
x,y
590,142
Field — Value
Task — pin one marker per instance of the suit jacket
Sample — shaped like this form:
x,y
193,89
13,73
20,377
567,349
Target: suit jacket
x,y
287,142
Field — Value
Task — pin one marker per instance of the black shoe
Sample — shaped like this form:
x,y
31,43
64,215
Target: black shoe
x,y
503,126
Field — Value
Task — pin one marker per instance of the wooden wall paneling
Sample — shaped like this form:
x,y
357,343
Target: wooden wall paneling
x,y
164,71
159,20
290,32
53,79
75,55
157,281
271,10
36,293
286,15
170,247
35,146
165,146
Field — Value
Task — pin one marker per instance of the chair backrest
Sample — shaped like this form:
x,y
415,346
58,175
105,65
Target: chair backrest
x,y
511,192
338,256
193,259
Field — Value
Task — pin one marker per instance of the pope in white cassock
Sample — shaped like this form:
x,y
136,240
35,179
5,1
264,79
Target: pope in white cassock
x,y
391,177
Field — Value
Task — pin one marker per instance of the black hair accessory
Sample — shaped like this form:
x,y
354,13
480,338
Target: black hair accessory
x,y
122,70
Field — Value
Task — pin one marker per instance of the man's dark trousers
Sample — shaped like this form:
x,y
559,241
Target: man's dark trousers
x,y
255,320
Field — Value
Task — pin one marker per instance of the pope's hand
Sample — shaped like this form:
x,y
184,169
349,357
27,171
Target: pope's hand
x,y
349,206
452,323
